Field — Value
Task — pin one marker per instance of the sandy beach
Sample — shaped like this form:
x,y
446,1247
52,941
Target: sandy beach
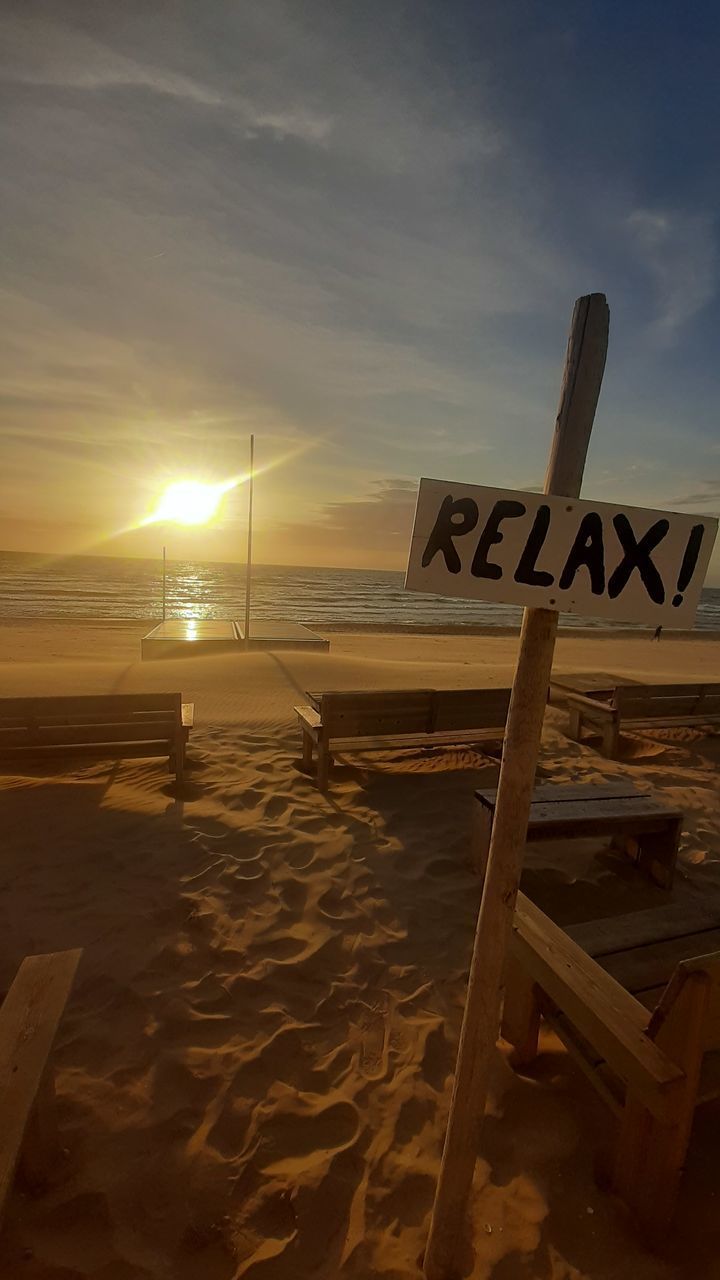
x,y
254,1068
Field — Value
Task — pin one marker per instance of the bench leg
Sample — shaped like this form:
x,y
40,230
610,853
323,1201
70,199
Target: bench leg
x,y
611,739
41,1151
177,759
521,1014
575,724
324,763
307,752
650,1154
481,830
657,854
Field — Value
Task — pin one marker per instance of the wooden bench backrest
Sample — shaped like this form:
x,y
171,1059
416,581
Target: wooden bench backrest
x,y
377,712
396,711
108,718
709,967
471,709
671,700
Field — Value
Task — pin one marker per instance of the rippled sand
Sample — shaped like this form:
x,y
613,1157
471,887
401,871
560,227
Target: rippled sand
x,y
254,1070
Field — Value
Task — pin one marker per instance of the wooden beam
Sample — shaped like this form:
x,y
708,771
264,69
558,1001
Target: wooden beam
x,y
582,378
29,1019
604,1013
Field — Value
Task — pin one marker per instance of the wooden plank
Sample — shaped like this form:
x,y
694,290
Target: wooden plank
x,y
605,809
471,709
599,1007
368,695
709,967
49,735
589,681
91,750
642,928
69,705
599,701
308,717
650,1156
654,964
376,713
29,1019
188,715
406,741
669,722
673,707
625,695
620,790
32,723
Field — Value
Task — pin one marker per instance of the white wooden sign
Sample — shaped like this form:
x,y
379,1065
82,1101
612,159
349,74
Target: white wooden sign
x,y
592,558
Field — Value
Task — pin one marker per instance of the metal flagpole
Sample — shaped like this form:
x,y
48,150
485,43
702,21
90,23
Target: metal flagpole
x,y
249,546
164,573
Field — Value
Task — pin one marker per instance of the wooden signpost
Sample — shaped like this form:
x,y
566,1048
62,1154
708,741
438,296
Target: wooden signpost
x,y
548,552
584,365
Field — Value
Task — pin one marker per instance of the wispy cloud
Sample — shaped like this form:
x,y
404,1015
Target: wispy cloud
x,y
374,530
680,252
52,55
706,497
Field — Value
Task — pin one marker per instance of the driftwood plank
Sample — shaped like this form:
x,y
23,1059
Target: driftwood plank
x,y
29,1019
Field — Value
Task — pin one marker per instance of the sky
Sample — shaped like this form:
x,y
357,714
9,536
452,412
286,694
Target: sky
x,y
357,231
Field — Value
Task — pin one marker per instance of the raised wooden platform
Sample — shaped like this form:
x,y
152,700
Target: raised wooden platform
x,y
188,637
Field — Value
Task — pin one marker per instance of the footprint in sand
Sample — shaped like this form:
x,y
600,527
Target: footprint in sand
x,y
373,1026
275,807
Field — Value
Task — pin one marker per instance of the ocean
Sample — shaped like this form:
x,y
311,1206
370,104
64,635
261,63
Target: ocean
x,y
97,587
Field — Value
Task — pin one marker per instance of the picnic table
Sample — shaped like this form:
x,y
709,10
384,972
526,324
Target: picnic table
x,y
647,827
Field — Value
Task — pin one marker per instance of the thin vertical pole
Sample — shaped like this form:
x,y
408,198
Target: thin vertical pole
x,y
248,571
164,577
584,365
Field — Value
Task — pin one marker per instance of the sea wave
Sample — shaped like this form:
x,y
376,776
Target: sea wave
x,y
113,588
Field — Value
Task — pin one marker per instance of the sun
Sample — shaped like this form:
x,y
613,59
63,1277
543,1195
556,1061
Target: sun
x,y
189,502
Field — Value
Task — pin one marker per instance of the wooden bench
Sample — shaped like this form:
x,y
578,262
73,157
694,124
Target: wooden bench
x,y
111,726
636,706
636,1000
644,825
29,1018
380,720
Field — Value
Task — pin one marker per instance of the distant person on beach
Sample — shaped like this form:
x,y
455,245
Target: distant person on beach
x,y
656,635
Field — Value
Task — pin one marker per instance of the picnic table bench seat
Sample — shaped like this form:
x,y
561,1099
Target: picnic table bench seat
x,y
636,1001
381,720
29,1018
647,828
109,726
635,706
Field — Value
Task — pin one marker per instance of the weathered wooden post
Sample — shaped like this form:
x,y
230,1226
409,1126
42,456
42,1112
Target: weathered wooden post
x,y
584,365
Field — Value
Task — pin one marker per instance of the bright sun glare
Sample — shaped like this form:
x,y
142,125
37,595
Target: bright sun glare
x,y
189,502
